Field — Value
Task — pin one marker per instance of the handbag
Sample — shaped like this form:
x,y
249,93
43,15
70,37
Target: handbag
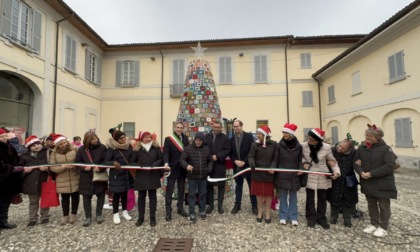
x,y
303,179
101,176
49,195
351,181
17,199
131,199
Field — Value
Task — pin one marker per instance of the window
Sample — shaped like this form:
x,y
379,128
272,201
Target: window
x,y
356,85
307,99
70,58
403,136
305,133
129,129
225,70
262,123
334,135
127,73
92,68
396,67
21,24
305,60
177,90
331,94
260,69
178,71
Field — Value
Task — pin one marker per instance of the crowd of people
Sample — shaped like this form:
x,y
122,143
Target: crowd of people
x,y
78,169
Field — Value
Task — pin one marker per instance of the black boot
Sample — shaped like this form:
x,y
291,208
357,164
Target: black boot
x,y
333,219
235,209
168,216
182,212
153,221
210,209
347,223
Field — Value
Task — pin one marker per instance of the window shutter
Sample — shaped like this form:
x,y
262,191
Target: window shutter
x,y
257,63
68,52
334,135
222,70
400,64
264,68
398,132
6,18
118,73
391,68
73,54
181,72
36,31
307,99
175,72
136,73
308,60
99,71
87,65
228,70
406,123
356,85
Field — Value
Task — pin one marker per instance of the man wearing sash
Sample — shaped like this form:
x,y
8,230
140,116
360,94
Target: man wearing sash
x,y
172,149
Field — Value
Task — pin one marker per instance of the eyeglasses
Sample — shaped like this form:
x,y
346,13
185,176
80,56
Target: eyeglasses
x,y
122,137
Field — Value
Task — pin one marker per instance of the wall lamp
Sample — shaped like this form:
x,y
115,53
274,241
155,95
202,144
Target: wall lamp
x,y
152,58
241,54
85,44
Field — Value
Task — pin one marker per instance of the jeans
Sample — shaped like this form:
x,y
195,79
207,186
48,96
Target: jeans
x,y
141,204
288,207
65,202
379,211
239,181
170,190
194,186
87,204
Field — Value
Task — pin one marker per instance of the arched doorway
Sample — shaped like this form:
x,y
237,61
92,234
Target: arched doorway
x,y
16,102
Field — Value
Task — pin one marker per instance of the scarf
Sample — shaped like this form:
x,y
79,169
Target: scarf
x,y
291,144
314,152
147,146
120,146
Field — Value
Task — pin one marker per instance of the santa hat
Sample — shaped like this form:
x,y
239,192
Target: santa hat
x,y
317,134
290,128
142,134
3,131
31,140
265,130
57,138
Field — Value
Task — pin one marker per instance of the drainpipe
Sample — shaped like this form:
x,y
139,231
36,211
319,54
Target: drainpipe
x,y
319,102
161,97
56,68
287,80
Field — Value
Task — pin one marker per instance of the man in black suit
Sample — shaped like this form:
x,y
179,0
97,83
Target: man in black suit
x,y
172,149
241,144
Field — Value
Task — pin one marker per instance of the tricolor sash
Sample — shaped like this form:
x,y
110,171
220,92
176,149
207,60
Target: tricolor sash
x,y
177,142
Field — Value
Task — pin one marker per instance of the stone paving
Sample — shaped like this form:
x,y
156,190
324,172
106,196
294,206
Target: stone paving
x,y
224,232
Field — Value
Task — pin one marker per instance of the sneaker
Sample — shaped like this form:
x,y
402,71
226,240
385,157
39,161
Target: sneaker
x,y
380,232
192,218
294,223
31,223
282,222
203,215
126,216
116,218
99,219
87,222
370,229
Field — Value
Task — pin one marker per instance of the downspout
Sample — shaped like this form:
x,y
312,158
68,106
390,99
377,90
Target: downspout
x,y
319,102
287,80
56,69
161,97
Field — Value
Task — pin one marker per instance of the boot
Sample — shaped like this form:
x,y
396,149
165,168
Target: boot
x,y
73,218
4,224
64,220
347,223
209,209
126,216
87,222
333,219
152,221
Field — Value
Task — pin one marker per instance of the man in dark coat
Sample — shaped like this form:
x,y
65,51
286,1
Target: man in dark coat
x,y
10,182
241,144
172,149
219,146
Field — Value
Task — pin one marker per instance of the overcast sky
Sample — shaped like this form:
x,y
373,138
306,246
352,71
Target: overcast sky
x,y
138,21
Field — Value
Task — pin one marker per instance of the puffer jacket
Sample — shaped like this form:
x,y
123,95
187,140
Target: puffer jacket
x,y
199,158
379,160
288,159
87,186
319,182
67,180
10,182
264,157
147,180
32,182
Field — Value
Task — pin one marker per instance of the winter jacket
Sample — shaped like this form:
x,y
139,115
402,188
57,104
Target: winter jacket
x,y
10,182
199,158
220,146
32,182
67,180
147,180
288,159
263,157
86,185
119,181
379,160
171,155
319,182
245,146
341,194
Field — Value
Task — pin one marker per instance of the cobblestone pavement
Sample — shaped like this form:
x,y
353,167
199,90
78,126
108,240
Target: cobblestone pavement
x,y
223,232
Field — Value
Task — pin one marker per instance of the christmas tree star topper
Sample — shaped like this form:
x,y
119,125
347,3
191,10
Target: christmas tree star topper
x,y
199,51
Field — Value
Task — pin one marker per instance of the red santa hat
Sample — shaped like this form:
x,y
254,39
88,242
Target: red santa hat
x,y
3,131
31,140
142,134
57,138
317,134
290,128
265,130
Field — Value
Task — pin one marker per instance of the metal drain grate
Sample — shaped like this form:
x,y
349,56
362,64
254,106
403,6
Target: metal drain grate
x,y
178,245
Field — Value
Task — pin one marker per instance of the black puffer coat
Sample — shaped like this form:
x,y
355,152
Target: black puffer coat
x,y
199,158
119,181
379,160
263,157
86,185
340,194
147,180
288,159
32,182
10,182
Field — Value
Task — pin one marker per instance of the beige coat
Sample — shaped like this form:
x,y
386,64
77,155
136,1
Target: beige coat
x,y
316,182
67,179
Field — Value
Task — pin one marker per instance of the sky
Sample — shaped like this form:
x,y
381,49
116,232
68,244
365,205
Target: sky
x,y
143,21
